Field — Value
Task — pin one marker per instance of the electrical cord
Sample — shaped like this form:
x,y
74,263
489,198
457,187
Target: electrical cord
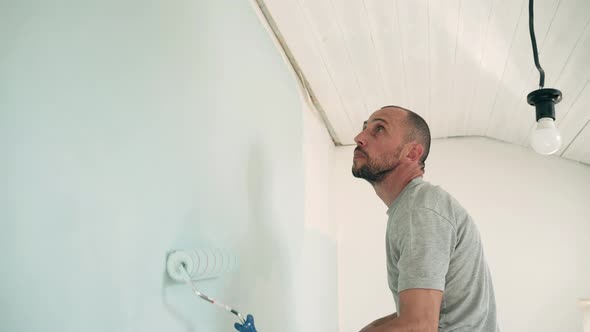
x,y
534,42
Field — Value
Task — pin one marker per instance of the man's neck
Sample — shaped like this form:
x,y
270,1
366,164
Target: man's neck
x,y
391,187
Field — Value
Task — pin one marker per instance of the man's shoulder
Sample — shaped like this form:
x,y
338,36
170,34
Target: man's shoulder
x,y
430,196
436,199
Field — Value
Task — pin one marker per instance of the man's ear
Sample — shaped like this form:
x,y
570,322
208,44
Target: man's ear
x,y
414,151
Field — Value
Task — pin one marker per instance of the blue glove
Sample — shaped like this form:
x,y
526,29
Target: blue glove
x,y
248,325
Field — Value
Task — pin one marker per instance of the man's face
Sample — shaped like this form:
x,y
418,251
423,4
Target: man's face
x,y
379,145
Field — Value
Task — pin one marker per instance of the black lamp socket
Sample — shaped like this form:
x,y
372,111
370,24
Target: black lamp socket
x,y
544,101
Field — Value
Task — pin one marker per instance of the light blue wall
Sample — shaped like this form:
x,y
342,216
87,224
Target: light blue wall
x,y
128,128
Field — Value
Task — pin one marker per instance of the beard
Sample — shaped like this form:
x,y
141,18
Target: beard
x,y
375,170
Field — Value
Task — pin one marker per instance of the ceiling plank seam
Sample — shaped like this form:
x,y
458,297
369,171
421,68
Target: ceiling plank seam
x,y
324,57
379,60
467,111
401,47
575,137
491,111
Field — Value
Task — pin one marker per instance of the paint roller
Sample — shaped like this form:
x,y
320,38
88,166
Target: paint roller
x,y
202,264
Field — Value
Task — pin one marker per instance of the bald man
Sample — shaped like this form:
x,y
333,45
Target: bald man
x,y
435,262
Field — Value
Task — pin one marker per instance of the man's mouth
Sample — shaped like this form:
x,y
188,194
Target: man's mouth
x,y
359,154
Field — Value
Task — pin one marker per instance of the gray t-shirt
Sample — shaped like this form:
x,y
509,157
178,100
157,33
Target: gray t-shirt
x,y
432,243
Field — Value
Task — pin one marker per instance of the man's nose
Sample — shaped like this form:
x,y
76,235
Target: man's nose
x,y
360,139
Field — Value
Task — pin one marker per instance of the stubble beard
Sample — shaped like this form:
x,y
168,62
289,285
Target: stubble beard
x,y
374,171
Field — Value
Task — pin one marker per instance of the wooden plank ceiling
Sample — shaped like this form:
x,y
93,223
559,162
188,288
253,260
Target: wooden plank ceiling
x,y
465,66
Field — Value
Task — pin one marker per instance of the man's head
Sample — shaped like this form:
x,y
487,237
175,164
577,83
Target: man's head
x,y
391,135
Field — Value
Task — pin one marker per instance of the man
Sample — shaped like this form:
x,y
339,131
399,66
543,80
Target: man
x,y
436,268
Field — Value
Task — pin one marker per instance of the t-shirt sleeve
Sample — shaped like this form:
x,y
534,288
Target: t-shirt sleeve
x,y
426,241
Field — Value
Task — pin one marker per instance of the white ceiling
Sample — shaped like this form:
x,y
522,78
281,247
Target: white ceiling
x,y
466,66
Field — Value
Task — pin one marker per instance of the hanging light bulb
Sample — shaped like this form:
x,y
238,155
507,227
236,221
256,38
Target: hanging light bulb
x,y
546,138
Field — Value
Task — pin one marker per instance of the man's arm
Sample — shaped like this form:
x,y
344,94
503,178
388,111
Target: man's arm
x,y
379,322
419,312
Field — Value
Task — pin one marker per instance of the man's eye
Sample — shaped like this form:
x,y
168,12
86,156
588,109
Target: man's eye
x,y
379,128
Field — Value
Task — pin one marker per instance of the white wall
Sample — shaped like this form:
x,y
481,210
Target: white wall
x,y
131,128
585,306
536,233
319,273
